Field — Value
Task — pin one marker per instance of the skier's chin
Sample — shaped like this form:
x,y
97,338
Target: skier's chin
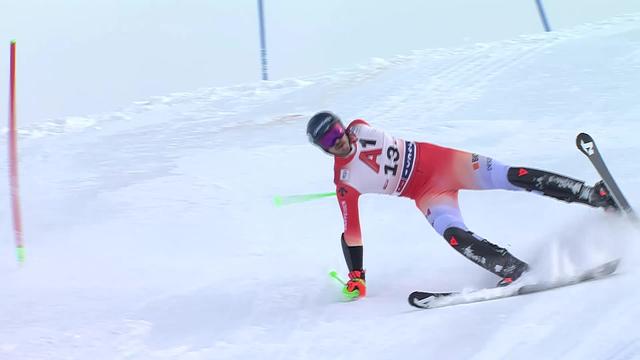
x,y
342,151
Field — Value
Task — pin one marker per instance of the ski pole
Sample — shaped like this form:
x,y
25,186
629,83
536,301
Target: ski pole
x,y
334,275
348,294
294,199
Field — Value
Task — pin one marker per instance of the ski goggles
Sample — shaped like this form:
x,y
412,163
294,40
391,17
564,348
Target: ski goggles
x,y
329,139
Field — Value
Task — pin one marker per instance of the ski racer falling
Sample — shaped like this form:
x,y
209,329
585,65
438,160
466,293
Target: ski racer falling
x,y
368,160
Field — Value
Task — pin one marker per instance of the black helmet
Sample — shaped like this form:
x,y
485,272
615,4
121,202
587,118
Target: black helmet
x,y
320,124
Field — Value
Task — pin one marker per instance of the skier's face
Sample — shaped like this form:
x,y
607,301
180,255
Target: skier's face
x,y
342,147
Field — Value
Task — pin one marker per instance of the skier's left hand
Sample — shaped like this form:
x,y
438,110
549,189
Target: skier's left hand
x,y
356,286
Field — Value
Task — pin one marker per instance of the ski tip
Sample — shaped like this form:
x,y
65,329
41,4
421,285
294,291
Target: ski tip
x,y
412,299
584,136
422,299
611,266
585,144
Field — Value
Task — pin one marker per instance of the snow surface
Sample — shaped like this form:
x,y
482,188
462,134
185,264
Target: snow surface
x,y
150,232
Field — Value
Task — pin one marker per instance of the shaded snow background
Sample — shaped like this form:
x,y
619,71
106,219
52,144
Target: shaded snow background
x,y
151,234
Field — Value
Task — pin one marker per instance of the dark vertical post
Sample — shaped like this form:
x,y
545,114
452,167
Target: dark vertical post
x,y
263,42
543,16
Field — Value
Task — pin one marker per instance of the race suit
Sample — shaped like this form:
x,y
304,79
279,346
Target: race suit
x,y
429,174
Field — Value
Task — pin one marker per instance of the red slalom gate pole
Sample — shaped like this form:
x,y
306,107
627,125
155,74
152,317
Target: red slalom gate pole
x,y
13,158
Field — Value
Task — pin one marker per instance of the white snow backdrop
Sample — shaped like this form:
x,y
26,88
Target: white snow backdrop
x,y
150,231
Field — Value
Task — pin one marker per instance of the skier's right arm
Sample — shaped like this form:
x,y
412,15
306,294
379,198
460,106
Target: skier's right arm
x,y
351,238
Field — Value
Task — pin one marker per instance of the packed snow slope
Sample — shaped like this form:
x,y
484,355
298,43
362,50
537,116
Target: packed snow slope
x,y
151,234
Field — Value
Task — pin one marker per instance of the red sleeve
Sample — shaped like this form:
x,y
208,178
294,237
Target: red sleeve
x,y
348,201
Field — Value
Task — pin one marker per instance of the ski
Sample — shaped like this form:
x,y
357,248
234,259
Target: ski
x,y
587,146
429,300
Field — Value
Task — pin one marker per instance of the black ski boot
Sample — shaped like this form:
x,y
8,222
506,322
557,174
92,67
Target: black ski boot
x,y
561,187
600,197
519,269
510,279
490,256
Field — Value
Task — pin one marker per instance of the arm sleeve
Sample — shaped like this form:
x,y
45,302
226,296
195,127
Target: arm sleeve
x,y
348,201
358,122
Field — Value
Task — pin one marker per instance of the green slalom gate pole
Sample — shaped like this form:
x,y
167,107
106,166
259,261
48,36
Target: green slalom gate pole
x,y
349,295
295,199
334,275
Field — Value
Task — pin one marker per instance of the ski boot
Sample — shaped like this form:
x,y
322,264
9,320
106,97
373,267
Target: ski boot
x,y
486,254
601,197
515,275
562,187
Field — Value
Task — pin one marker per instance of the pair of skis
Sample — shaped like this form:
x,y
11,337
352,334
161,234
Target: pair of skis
x,y
586,144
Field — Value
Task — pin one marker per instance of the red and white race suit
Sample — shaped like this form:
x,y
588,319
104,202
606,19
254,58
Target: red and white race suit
x,y
429,174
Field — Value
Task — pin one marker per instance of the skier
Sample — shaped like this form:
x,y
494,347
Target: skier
x,y
368,160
